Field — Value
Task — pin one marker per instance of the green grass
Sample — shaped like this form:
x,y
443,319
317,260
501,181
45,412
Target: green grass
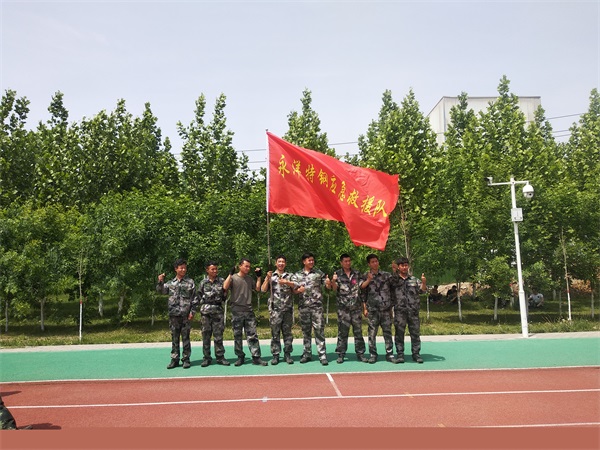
x,y
477,318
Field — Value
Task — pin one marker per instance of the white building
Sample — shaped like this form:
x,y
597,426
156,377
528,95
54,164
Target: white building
x,y
439,117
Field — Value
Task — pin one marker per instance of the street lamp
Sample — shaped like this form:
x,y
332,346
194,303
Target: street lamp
x,y
517,216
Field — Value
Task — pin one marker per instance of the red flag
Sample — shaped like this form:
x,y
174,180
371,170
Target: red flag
x,y
311,184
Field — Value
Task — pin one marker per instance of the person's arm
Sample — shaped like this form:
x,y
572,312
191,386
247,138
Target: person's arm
x,y
258,272
423,283
267,282
194,303
160,287
334,285
227,282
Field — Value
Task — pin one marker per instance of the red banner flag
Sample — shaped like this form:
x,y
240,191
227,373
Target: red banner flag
x,y
307,183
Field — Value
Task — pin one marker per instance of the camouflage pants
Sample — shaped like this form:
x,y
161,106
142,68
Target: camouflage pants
x,y
245,322
213,325
180,327
346,318
381,319
281,325
7,421
407,316
312,318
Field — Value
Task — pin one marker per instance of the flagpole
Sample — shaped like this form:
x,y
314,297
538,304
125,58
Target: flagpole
x,y
267,205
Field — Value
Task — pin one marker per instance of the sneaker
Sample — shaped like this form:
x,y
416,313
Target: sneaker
x,y
223,362
239,362
305,359
205,363
324,362
186,364
340,359
275,360
258,362
174,363
288,359
373,359
390,358
362,358
400,359
417,358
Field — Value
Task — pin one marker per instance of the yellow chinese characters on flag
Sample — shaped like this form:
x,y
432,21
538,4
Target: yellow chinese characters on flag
x,y
307,183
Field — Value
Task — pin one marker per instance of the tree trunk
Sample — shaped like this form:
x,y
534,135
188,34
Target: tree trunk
x,y
121,300
42,303
495,308
101,304
6,316
459,302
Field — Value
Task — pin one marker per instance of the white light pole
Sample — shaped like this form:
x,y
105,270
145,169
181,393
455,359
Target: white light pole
x,y
517,216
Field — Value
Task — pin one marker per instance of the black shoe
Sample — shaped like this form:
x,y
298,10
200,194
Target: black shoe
x,y
373,359
258,362
417,358
305,359
174,363
324,362
362,358
288,359
239,362
186,364
340,359
390,358
205,363
400,359
275,360
223,362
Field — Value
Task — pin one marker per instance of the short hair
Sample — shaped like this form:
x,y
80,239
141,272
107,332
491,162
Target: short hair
x,y
402,260
179,262
211,263
243,260
281,257
307,255
344,256
370,256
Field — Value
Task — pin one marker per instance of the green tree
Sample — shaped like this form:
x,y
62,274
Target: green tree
x,y
17,154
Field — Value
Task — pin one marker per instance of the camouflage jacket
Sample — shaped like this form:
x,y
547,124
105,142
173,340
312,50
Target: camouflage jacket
x,y
211,295
348,291
281,298
182,296
378,293
313,281
406,292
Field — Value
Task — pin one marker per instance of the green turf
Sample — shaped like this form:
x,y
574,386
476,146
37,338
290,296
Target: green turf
x,y
82,364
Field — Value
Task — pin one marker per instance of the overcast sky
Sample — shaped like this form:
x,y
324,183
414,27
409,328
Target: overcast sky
x,y
262,55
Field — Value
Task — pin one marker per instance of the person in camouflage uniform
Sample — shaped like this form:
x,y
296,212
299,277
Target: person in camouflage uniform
x,y
406,290
182,305
242,315
211,296
346,282
7,421
281,310
309,284
378,308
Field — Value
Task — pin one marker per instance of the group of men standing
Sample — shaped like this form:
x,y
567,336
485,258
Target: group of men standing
x,y
384,298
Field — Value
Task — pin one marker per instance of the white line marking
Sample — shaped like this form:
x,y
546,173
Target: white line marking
x,y
217,377
337,391
291,399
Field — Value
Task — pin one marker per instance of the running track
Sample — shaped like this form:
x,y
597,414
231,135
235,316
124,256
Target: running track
x,y
360,397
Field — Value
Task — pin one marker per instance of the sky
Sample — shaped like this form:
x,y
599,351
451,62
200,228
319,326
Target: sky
x,y
263,54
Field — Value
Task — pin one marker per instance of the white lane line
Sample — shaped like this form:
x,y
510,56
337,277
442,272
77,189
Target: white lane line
x,y
292,399
337,391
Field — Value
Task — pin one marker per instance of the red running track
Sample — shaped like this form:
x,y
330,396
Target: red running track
x,y
475,398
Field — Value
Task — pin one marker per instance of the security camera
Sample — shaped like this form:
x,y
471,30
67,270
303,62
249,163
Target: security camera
x,y
489,180
528,191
